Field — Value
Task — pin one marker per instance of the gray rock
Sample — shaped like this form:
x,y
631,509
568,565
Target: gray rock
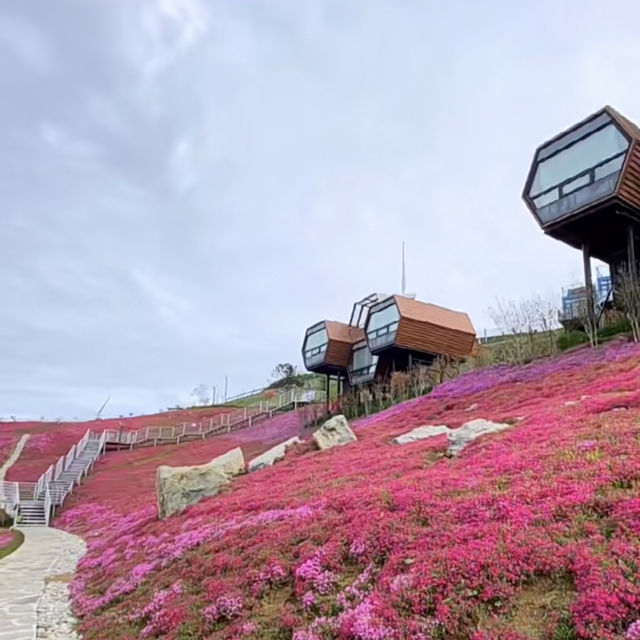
x,y
333,433
179,487
420,433
468,432
268,458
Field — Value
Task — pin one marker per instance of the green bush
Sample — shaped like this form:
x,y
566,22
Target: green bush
x,y
571,339
622,326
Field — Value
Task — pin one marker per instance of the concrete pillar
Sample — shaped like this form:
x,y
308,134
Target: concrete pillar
x,y
588,282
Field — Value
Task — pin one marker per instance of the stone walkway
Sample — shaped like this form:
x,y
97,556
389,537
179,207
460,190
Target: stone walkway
x,y
14,455
34,586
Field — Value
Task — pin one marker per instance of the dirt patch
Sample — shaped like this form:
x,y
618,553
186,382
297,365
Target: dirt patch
x,y
65,578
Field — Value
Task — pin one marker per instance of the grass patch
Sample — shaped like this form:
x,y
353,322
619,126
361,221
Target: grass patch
x,y
540,610
17,539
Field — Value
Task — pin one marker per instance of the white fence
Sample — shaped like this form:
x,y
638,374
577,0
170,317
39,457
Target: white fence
x,y
222,423
52,491
49,488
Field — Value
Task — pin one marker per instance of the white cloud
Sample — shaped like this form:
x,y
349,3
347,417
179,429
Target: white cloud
x,y
26,42
187,185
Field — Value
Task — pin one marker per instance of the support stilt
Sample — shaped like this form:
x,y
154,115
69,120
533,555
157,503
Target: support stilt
x,y
588,283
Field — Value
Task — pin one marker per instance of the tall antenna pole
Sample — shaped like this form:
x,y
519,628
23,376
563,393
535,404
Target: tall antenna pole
x,y
403,285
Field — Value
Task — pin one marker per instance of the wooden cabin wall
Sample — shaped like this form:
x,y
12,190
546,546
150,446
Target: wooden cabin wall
x,y
431,338
338,353
629,187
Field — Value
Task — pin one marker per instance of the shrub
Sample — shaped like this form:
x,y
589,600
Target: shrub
x,y
571,339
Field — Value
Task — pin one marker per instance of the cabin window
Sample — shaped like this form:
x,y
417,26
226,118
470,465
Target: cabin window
x,y
363,362
578,157
383,321
316,343
577,169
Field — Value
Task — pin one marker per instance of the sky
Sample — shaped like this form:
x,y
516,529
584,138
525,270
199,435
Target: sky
x,y
186,185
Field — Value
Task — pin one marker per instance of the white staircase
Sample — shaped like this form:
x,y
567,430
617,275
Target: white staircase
x,y
33,503
71,476
32,513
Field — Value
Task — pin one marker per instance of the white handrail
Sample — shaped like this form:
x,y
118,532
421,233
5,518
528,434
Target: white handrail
x,y
83,442
220,422
47,503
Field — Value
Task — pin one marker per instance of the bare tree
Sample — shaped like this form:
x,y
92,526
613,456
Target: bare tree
x,y
528,327
589,321
628,297
513,319
546,314
201,394
399,386
419,380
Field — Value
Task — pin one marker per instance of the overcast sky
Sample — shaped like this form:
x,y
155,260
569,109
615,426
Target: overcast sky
x,y
186,185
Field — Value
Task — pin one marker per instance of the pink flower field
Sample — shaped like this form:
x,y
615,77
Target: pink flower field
x,y
530,533
50,440
6,538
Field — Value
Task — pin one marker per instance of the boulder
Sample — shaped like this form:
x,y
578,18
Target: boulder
x,y
468,432
333,433
420,433
268,458
179,487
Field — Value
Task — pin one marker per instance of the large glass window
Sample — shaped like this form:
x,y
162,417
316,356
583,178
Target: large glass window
x,y
577,169
363,362
383,319
316,343
576,134
579,157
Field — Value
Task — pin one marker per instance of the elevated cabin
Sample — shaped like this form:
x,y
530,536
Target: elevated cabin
x,y
327,347
403,331
583,189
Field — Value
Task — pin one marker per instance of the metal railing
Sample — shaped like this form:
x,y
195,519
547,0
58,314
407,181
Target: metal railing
x,y
9,494
47,504
222,423
244,394
52,491
49,489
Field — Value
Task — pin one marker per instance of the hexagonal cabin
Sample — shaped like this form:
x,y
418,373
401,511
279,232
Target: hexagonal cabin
x,y
327,347
583,188
403,331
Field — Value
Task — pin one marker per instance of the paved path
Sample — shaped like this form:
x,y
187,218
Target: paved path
x,y
14,455
22,578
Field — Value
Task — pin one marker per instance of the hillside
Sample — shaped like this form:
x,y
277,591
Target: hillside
x,y
530,533
50,440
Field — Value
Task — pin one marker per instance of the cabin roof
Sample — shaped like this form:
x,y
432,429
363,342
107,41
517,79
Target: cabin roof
x,y
629,127
343,332
434,314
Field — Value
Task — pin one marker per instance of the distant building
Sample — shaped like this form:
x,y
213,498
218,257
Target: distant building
x,y
386,334
574,301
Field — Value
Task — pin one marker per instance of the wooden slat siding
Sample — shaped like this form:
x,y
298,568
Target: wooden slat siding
x,y
338,353
430,338
629,188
